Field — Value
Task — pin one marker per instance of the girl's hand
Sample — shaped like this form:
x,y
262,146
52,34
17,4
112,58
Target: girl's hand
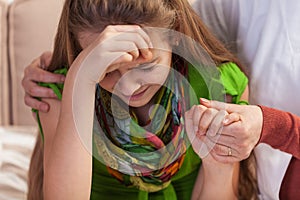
x,y
201,125
199,122
35,72
114,47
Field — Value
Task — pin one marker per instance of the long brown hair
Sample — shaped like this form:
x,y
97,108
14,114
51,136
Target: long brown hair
x,y
36,172
94,15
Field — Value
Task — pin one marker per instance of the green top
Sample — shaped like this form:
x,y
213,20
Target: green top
x,y
104,186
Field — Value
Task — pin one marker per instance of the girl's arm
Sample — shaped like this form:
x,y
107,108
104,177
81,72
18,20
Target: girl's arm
x,y
68,152
67,162
215,180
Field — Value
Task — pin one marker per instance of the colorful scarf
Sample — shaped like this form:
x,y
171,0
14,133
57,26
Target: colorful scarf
x,y
144,157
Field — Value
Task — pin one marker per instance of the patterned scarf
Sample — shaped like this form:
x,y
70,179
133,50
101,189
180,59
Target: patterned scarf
x,y
144,157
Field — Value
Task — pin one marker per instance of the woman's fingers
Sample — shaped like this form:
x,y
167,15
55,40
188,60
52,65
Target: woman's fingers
x,y
35,74
36,104
226,140
230,118
223,145
34,90
45,59
224,159
240,148
221,153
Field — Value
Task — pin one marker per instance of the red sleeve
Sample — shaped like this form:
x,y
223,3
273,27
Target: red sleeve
x,y
281,130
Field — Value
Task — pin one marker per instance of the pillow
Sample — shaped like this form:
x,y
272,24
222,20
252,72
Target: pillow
x,y
16,146
4,95
32,27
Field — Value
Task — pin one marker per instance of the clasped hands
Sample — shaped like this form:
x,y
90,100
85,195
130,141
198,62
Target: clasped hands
x,y
225,132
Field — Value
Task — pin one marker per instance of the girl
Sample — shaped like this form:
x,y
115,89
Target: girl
x,y
106,43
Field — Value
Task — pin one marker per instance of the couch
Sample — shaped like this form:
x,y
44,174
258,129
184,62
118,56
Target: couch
x,y
27,29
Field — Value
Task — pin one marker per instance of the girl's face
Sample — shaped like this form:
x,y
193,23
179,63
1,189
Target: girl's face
x,y
136,82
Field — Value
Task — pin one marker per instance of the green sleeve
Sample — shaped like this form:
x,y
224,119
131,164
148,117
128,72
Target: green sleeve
x,y
230,80
57,89
234,81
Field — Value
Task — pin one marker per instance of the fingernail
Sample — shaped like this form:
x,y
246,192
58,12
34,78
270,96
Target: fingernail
x,y
203,100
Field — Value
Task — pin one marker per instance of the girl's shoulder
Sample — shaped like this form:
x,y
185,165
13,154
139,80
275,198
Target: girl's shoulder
x,y
227,77
233,79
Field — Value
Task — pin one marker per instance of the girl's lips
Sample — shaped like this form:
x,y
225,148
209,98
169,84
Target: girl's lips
x,y
136,96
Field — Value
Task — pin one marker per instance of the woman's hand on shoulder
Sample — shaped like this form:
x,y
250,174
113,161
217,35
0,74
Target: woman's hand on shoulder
x,y
36,72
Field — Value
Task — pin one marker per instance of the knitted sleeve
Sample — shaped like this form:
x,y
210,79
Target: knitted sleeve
x,y
281,130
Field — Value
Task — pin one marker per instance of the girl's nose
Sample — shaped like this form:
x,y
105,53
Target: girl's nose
x,y
128,83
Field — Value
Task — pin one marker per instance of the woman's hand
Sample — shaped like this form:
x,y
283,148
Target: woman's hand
x,y
204,125
240,135
35,72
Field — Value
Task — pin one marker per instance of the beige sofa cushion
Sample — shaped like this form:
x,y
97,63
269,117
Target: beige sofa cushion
x,y
32,25
4,95
16,146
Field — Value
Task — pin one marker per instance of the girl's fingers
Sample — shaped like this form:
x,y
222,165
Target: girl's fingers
x,y
207,119
115,46
196,140
135,54
196,116
216,123
135,29
207,116
140,44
